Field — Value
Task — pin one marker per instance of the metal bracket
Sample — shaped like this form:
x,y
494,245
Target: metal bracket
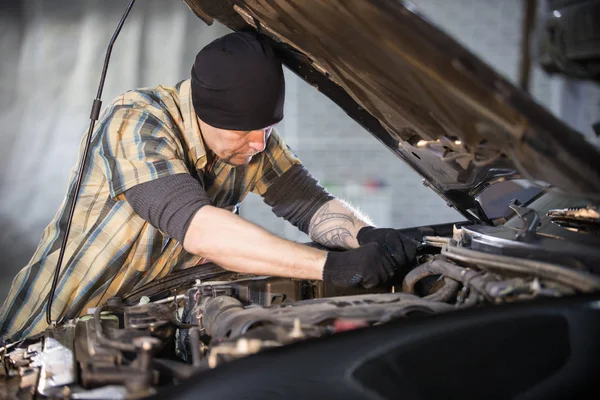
x,y
531,221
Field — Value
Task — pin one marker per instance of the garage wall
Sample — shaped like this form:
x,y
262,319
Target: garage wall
x,y
51,55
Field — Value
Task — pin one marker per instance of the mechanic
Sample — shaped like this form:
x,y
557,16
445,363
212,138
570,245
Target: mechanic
x,y
167,167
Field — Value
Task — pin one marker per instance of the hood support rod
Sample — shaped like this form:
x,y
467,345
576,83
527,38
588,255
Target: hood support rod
x,y
94,115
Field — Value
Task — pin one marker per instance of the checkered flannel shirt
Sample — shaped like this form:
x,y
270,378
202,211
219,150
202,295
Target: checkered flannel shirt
x,y
142,135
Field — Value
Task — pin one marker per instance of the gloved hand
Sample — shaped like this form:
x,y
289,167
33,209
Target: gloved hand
x,y
401,248
367,266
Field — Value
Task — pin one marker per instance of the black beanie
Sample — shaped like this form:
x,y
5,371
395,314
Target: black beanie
x,y
237,83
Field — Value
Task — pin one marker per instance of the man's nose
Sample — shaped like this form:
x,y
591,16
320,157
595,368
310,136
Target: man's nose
x,y
258,140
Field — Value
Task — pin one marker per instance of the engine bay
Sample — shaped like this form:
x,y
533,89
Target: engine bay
x,y
204,317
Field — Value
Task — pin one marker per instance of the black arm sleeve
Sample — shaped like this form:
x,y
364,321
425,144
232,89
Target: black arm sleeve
x,y
296,196
168,203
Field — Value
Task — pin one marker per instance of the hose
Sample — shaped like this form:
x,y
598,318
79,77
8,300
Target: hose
x,y
446,292
452,274
580,280
424,270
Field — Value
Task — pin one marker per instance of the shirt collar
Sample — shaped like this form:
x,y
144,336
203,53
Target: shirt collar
x,y
192,133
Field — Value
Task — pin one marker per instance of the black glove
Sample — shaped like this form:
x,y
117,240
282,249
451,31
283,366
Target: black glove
x,y
367,266
400,247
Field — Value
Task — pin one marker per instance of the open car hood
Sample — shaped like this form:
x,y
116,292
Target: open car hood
x,y
438,107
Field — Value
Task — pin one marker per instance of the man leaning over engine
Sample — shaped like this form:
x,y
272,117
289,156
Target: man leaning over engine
x,y
167,167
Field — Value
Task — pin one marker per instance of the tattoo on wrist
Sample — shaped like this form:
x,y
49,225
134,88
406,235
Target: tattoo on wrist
x,y
327,228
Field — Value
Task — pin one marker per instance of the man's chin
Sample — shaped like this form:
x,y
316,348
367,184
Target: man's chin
x,y
238,160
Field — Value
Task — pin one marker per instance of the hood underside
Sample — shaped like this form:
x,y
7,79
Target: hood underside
x,y
438,107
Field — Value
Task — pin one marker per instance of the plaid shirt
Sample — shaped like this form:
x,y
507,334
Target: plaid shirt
x,y
142,135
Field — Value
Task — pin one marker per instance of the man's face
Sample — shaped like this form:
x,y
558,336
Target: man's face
x,y
234,147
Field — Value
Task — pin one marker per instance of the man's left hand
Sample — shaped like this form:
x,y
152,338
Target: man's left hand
x,y
402,248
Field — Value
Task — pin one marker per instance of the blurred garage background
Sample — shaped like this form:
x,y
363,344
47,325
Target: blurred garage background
x,y
51,54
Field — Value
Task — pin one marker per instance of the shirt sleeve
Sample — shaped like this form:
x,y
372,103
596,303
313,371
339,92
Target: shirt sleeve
x,y
169,203
276,160
296,196
137,146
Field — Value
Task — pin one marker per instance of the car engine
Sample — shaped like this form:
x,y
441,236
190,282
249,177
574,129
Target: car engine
x,y
204,317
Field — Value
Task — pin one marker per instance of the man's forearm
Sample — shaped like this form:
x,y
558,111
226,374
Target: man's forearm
x,y
238,245
336,225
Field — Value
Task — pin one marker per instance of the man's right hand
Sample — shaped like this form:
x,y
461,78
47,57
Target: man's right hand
x,y
367,266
